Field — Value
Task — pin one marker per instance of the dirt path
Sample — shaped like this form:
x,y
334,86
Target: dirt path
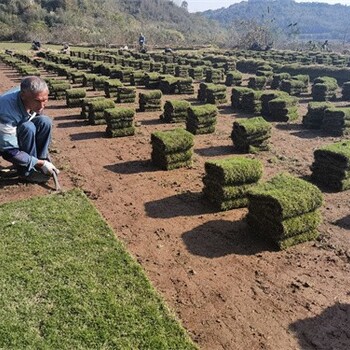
x,y
230,289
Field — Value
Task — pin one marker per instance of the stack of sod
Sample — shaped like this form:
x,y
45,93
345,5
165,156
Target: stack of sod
x,y
88,79
227,181
251,135
74,97
172,149
264,71
111,87
202,92
304,78
77,77
251,102
152,80
168,85
175,111
150,101
169,68
145,65
266,97
196,73
233,78
201,119
346,91
123,74
98,83
216,94
58,91
315,114
336,121
237,95
277,79
293,87
126,94
283,109
156,66
331,167
324,89
120,122
96,111
137,78
185,86
257,83
285,210
213,75
84,114
181,71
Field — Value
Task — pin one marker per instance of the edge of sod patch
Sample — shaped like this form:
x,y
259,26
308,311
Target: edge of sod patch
x,y
67,282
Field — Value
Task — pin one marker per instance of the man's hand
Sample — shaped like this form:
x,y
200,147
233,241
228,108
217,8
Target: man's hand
x,y
49,168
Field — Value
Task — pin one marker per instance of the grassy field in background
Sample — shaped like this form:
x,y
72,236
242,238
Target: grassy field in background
x,y
66,282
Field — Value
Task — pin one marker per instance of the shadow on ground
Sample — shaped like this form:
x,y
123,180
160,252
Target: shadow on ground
x,y
215,151
132,167
184,204
88,135
218,238
328,330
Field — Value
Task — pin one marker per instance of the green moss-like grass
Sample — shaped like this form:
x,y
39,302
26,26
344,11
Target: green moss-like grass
x,y
285,196
171,141
68,283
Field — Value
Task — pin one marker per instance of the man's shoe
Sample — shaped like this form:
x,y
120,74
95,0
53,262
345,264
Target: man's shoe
x,y
8,172
37,177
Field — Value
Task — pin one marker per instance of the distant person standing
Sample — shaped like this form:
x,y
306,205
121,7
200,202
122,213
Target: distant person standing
x,y
142,41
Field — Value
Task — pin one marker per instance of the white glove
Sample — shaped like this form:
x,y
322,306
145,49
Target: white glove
x,y
49,168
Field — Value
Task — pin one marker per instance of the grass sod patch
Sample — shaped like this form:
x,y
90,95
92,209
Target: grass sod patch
x,y
285,196
67,283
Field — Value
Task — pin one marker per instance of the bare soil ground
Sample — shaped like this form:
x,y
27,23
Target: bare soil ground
x,y
230,289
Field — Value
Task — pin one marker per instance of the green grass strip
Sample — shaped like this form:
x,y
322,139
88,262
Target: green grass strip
x,y
68,283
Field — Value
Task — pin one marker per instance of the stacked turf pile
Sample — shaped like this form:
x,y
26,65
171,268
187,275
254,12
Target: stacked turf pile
x,y
77,77
111,87
216,94
175,111
201,119
88,79
324,89
196,73
331,167
152,80
168,85
336,121
169,68
233,78
237,96
214,76
293,87
96,111
126,94
285,210
315,114
277,80
257,83
202,92
346,91
137,78
150,101
120,122
185,86
283,109
156,66
227,181
172,149
58,90
84,114
74,97
98,83
251,102
251,135
182,71
266,97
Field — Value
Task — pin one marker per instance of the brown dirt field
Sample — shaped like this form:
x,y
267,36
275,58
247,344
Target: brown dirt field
x,y
230,289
